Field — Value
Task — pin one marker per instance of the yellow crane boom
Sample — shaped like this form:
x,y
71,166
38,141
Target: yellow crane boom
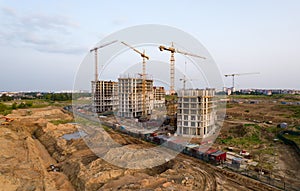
x,y
173,50
144,56
172,104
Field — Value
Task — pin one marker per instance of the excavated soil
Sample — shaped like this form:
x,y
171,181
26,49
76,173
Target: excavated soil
x,y
31,143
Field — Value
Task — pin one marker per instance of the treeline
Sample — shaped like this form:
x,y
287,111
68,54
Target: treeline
x,y
44,96
6,109
57,96
4,97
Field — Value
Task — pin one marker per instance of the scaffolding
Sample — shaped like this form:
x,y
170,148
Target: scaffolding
x,y
105,96
196,113
131,97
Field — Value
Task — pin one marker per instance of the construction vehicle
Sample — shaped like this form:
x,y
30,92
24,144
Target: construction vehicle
x,y
240,74
53,168
96,56
172,102
144,116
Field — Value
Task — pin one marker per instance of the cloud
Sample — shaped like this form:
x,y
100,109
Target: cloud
x,y
52,46
119,21
68,49
31,38
8,11
46,33
46,22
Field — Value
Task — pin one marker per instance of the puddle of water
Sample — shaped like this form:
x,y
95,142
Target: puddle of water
x,y
75,135
73,123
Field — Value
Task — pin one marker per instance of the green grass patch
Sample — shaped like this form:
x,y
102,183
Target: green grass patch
x,y
249,96
245,136
229,105
269,151
293,108
242,141
8,106
272,129
5,109
170,97
106,128
252,125
61,121
287,97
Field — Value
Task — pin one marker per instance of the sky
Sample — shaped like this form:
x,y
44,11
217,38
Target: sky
x,y
43,43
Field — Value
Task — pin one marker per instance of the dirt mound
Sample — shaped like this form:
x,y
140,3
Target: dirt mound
x,y
137,158
23,164
23,159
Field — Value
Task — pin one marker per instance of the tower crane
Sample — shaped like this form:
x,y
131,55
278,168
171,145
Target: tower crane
x,y
173,50
184,79
144,56
171,105
240,74
96,56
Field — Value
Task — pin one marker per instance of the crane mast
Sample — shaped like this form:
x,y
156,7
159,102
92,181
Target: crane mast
x,y
184,77
144,56
172,74
96,56
173,50
96,64
239,74
144,113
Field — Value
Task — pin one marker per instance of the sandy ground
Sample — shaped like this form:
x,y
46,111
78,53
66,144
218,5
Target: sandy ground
x,y
24,160
31,143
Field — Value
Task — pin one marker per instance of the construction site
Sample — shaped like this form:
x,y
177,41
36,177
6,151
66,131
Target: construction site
x,y
189,113
135,96
37,153
47,146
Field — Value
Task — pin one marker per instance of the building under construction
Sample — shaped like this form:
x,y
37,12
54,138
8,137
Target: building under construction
x,y
105,96
131,101
195,112
159,95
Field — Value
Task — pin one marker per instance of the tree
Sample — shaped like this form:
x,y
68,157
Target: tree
x,y
4,97
3,107
14,105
